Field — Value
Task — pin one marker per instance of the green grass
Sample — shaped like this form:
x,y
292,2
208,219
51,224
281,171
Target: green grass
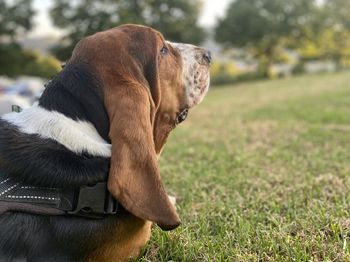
x,y
261,172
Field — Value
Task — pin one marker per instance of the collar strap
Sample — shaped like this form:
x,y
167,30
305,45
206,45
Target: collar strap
x,y
87,201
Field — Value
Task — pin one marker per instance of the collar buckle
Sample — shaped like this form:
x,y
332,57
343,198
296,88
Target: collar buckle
x,y
94,202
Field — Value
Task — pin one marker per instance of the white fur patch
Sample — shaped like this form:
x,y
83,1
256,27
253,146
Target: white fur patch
x,y
195,73
77,136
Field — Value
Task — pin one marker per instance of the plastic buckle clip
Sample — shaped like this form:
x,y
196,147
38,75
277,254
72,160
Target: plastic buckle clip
x,y
95,202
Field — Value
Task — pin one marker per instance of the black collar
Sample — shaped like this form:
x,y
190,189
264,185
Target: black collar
x,y
86,201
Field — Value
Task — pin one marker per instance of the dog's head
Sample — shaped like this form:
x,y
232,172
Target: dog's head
x,y
148,86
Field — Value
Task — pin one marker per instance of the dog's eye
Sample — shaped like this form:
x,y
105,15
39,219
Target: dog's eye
x,y
164,50
182,116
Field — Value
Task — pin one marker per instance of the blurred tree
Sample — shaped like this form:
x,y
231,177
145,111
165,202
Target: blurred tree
x,y
14,61
263,25
338,12
328,44
15,18
329,36
36,64
177,20
334,36
10,59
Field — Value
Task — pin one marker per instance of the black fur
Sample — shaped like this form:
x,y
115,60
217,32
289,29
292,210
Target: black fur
x,y
56,238
76,92
45,162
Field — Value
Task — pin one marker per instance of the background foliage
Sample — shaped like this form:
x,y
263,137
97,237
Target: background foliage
x,y
263,25
177,20
266,30
25,62
15,17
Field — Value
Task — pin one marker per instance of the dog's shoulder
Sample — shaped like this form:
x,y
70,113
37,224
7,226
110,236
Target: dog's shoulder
x,y
35,146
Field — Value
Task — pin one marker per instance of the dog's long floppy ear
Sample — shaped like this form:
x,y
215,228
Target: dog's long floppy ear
x,y
132,95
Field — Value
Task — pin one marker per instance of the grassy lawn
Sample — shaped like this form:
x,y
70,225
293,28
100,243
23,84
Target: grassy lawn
x,y
261,172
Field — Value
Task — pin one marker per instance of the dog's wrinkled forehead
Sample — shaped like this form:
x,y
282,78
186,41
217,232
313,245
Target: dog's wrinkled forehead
x,y
195,71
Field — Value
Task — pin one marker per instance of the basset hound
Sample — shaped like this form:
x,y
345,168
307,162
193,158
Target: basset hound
x,y
105,117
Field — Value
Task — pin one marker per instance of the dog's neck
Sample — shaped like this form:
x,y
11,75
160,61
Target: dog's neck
x,y
77,94
77,135
70,111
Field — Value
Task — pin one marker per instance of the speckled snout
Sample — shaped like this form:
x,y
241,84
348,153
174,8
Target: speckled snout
x,y
195,71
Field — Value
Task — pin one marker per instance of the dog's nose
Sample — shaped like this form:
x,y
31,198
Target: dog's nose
x,y
207,56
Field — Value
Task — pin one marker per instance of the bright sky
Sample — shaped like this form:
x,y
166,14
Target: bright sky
x,y
212,9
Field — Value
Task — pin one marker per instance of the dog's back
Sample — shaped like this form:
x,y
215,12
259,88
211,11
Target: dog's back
x,y
41,237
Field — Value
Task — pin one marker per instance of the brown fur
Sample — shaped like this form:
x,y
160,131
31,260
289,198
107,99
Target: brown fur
x,y
126,241
143,93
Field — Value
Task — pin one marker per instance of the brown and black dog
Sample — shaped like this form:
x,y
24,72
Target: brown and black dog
x,y
105,117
